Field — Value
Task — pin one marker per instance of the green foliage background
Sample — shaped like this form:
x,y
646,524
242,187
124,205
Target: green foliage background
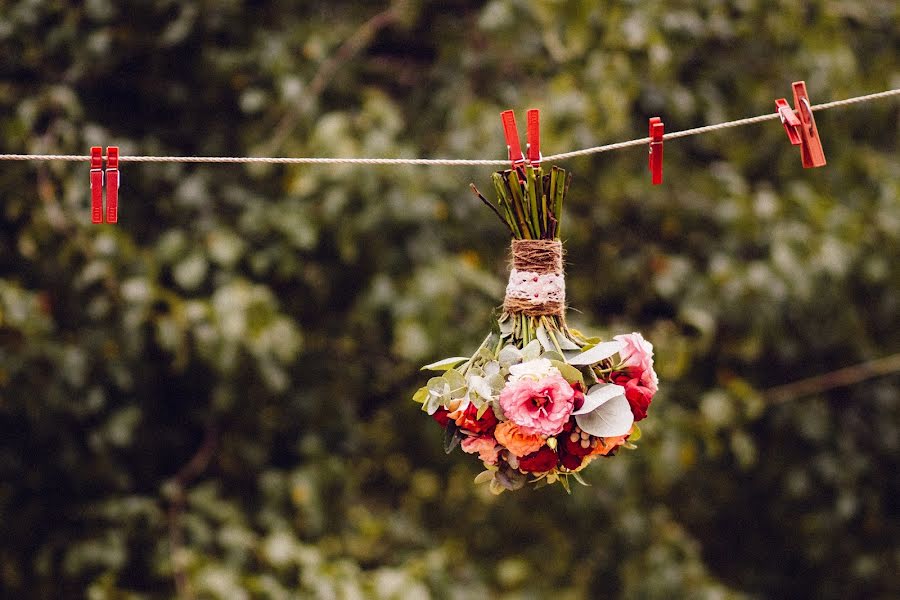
x,y
212,398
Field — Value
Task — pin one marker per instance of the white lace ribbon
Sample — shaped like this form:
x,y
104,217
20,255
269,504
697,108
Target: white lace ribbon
x,y
537,288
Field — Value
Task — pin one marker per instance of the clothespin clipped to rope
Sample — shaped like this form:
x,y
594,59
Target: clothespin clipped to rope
x,y
112,184
96,184
111,175
655,158
511,133
800,126
533,134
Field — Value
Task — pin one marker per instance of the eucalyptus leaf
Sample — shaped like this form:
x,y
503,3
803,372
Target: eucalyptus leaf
x,y
497,383
569,373
457,383
480,386
597,353
610,419
553,356
438,387
531,351
443,365
509,355
565,343
432,405
599,395
544,339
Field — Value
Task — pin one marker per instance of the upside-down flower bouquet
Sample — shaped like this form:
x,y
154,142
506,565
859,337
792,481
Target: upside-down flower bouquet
x,y
538,399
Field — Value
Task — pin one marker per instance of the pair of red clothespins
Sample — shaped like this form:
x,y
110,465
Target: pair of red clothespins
x,y
801,126
533,156
533,136
111,175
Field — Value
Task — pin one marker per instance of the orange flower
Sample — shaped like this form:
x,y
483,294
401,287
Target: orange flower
x,y
517,440
607,445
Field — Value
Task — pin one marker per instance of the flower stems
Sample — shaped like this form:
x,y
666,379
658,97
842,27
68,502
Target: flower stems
x,y
529,201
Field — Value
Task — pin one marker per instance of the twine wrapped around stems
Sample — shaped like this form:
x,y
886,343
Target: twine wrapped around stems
x,y
536,282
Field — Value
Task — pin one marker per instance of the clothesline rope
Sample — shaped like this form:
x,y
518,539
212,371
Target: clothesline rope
x,y
447,161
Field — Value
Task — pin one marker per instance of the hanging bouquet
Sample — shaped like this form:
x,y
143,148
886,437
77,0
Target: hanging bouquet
x,y
538,399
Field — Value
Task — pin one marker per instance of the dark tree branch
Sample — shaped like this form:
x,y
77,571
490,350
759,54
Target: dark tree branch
x,y
835,379
178,486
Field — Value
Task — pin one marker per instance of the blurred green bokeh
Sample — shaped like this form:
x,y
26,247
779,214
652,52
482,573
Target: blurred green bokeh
x,y
212,398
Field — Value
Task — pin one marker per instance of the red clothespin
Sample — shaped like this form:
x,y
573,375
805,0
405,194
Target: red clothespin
x,y
112,184
789,120
655,160
511,133
811,150
96,184
800,126
534,138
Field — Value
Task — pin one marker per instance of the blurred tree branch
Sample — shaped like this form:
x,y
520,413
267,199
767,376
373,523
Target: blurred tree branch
x,y
361,38
177,487
828,381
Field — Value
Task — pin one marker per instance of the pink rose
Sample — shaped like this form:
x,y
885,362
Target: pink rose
x,y
484,445
540,407
638,354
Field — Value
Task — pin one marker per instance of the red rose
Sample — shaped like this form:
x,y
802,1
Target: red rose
x,y
469,420
637,392
571,454
538,462
570,461
578,399
639,398
441,416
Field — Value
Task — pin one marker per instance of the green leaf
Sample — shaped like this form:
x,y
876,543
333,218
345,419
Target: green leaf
x,y
569,373
443,365
635,433
452,437
553,356
484,477
482,409
580,479
421,395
